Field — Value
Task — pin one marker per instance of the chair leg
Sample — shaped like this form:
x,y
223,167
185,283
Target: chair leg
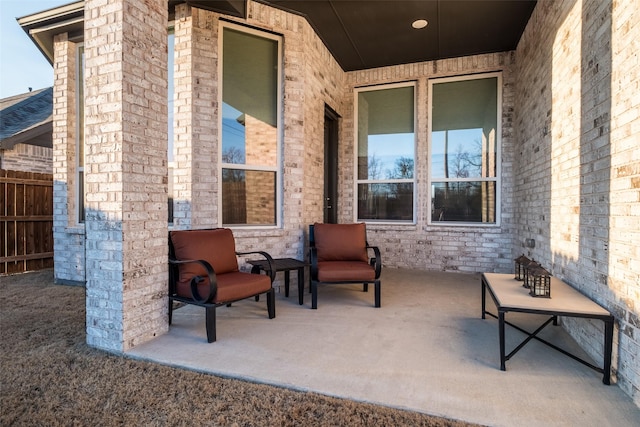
x,y
365,287
314,295
377,292
211,323
170,310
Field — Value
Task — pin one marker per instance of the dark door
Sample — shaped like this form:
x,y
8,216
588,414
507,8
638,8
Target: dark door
x,y
330,166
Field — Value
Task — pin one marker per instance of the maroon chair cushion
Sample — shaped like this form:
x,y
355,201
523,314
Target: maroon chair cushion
x,y
232,286
338,271
340,242
217,247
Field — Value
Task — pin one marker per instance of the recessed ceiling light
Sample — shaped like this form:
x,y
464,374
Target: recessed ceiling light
x,y
419,23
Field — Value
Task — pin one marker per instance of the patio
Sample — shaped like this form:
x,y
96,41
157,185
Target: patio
x,y
426,349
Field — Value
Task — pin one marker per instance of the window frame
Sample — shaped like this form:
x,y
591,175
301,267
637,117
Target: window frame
x,y
356,217
498,152
277,169
170,120
79,187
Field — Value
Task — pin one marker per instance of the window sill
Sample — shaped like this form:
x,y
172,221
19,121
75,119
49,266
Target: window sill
x,y
246,232
463,228
390,226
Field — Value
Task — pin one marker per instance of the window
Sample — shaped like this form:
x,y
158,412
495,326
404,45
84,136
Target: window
x,y
464,161
80,205
251,88
385,176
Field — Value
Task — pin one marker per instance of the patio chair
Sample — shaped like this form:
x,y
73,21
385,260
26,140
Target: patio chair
x,y
338,254
203,270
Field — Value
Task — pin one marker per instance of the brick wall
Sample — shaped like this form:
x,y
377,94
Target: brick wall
x,y
325,84
68,235
577,191
436,247
311,79
195,184
27,158
126,171
623,263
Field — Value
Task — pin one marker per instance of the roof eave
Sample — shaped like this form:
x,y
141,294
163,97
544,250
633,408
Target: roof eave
x,y
42,26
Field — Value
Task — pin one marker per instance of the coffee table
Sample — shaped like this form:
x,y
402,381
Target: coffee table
x,y
509,295
286,265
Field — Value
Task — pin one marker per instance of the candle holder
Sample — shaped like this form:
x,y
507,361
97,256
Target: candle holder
x,y
540,283
528,267
520,263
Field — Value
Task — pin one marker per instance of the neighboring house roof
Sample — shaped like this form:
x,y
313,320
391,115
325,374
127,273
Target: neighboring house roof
x,y
27,119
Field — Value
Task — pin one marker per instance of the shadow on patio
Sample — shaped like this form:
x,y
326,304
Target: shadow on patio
x,y
426,349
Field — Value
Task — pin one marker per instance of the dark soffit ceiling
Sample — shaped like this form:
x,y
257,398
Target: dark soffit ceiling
x,y
365,34
360,34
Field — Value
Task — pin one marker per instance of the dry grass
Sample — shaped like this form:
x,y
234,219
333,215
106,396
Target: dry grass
x,y
50,377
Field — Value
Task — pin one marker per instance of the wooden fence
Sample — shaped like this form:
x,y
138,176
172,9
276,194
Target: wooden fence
x,y
26,221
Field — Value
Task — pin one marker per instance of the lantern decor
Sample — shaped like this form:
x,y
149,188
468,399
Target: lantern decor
x,y
528,267
539,283
520,262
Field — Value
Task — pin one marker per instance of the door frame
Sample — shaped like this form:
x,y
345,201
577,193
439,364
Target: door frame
x,y
330,196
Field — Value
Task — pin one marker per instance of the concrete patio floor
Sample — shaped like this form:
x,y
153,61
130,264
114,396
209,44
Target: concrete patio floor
x,y
426,349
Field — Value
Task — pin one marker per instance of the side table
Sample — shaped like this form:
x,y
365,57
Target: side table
x,y
566,301
286,265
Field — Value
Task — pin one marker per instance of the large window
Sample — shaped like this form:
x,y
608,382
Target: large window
x,y
250,127
385,176
464,164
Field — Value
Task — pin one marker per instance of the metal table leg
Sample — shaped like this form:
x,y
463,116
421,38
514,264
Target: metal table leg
x,y
608,344
301,285
502,345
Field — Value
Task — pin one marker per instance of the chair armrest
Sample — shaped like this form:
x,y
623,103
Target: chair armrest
x,y
376,262
272,271
213,282
313,260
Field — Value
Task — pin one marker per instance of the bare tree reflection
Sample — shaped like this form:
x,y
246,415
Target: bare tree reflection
x,y
460,201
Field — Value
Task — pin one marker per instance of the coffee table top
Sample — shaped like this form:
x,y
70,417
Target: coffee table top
x,y
280,264
510,294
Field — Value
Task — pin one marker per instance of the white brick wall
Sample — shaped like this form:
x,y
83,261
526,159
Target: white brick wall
x,y
577,192
68,237
27,158
436,247
311,79
623,259
126,171
195,185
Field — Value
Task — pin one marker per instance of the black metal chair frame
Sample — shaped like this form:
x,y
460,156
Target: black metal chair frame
x,y
207,301
375,262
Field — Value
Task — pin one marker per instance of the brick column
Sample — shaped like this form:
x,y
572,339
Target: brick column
x,y
195,119
126,171
68,238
